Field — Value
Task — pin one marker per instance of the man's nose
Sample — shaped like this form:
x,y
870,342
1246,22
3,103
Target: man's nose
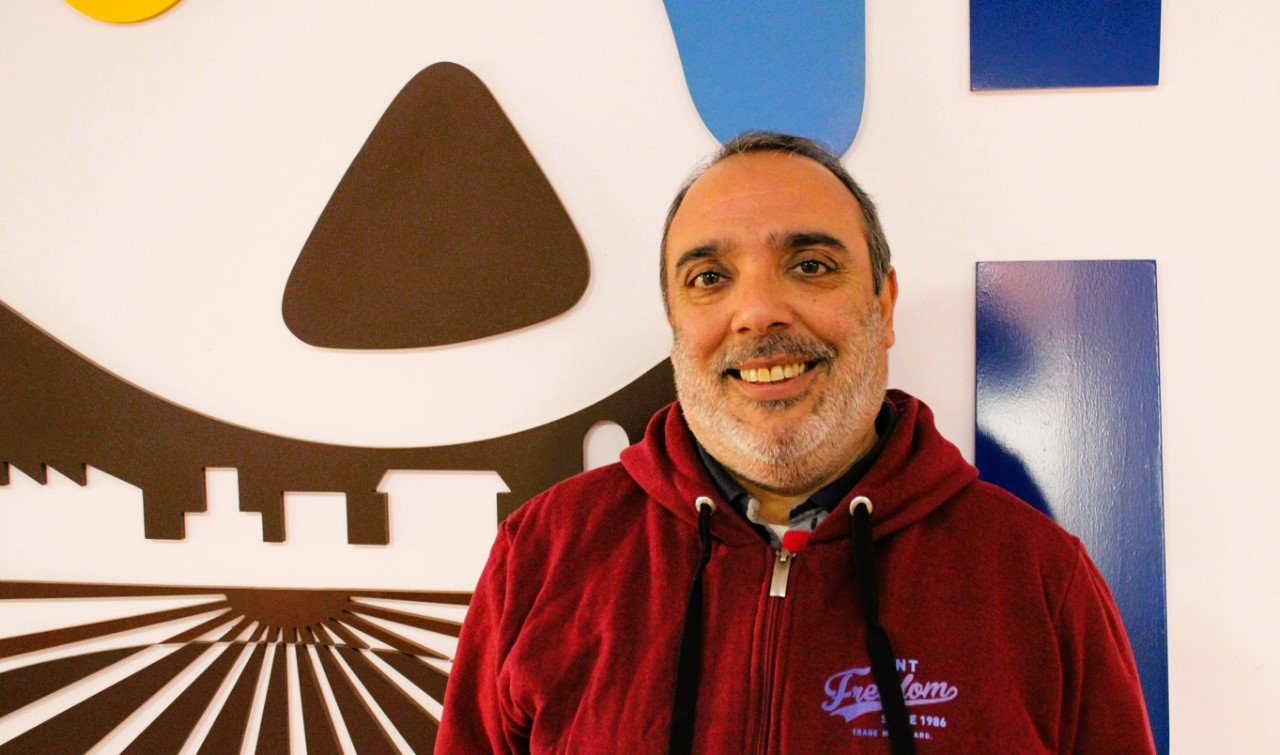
x,y
761,304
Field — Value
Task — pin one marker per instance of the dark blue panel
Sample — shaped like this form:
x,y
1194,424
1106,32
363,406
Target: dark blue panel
x,y
1033,44
1068,417
796,67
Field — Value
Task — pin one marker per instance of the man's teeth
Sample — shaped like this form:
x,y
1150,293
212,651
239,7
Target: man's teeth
x,y
772,374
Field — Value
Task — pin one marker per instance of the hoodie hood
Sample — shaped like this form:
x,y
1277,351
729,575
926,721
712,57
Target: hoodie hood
x,y
666,465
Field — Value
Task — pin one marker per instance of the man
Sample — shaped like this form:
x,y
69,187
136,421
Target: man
x,y
792,560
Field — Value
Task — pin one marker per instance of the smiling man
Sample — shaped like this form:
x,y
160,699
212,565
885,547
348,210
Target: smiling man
x,y
792,559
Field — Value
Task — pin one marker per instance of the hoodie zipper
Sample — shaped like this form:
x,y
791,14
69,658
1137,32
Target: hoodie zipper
x,y
780,576
781,573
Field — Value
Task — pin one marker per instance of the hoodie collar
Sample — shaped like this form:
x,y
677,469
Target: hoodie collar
x,y
916,471
821,503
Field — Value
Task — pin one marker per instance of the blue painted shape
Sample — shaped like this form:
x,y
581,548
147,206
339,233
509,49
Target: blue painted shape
x,y
1034,44
797,67
1068,417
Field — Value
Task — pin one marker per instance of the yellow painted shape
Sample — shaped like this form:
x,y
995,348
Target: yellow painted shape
x,y
122,11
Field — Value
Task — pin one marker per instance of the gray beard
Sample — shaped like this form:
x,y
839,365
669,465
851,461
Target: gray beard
x,y
815,447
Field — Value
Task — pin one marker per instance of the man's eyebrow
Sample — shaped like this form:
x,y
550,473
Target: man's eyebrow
x,y
811,238
697,253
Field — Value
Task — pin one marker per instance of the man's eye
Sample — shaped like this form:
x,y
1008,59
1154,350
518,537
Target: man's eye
x,y
812,267
703,280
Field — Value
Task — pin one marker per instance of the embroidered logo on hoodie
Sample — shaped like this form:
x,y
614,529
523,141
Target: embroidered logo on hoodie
x,y
852,693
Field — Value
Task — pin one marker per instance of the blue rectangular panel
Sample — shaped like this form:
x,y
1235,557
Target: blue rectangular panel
x,y
1036,44
1068,418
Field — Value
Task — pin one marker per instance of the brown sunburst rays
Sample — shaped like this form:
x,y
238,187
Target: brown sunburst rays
x,y
211,670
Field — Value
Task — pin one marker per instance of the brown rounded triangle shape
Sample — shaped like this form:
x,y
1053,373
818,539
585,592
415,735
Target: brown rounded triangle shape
x,y
443,230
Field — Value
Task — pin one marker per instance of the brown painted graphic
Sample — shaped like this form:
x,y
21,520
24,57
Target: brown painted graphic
x,y
59,410
444,229
340,640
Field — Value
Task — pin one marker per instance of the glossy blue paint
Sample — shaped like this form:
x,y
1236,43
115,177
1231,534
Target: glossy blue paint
x,y
1034,44
1068,417
796,67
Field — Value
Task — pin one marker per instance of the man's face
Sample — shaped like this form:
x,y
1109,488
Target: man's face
x,y
780,341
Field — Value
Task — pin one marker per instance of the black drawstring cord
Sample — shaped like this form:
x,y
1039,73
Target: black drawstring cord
x,y
883,665
689,665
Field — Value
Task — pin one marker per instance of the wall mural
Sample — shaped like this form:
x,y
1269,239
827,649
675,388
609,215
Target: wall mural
x,y
122,11
1032,44
60,411
232,665
1076,346
443,230
743,73
273,639
443,168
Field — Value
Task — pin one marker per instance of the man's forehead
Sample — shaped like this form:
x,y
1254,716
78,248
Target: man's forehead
x,y
772,194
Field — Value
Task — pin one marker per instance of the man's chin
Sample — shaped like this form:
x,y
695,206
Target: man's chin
x,y
769,441
778,419
776,406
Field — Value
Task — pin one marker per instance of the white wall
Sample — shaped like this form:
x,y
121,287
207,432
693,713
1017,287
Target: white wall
x,y
160,179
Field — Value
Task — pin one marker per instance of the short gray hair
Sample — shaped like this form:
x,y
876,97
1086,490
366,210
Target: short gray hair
x,y
771,141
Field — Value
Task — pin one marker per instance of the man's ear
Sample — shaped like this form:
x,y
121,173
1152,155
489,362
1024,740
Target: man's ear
x,y
888,300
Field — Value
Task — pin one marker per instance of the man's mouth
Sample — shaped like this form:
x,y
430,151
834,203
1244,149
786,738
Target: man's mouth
x,y
771,374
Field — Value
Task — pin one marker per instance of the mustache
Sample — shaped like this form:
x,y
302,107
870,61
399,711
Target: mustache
x,y
772,345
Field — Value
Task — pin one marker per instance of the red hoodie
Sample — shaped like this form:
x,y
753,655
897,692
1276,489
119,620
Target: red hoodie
x,y
1007,639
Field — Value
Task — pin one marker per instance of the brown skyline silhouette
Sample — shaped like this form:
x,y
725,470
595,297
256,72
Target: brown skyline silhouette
x,y
60,410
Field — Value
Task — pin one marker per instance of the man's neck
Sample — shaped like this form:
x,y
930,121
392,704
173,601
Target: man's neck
x,y
775,508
